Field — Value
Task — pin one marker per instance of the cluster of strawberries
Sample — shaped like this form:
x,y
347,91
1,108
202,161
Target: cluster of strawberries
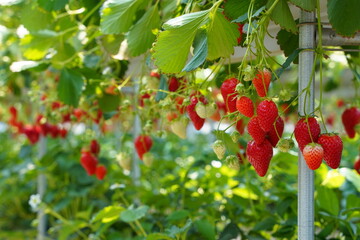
x,y
34,131
89,160
143,144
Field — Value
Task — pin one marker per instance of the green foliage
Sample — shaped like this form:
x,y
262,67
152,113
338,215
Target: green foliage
x,y
70,87
308,5
281,15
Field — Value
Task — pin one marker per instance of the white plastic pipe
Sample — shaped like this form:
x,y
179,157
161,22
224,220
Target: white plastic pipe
x,y
305,175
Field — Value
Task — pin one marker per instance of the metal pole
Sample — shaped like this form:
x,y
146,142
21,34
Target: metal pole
x,y
41,188
305,175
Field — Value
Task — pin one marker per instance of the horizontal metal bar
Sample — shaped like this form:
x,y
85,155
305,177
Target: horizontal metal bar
x,y
331,38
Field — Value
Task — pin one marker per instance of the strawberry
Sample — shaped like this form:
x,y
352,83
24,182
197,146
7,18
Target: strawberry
x,y
240,126
124,160
174,84
274,135
179,104
302,131
32,133
333,146
148,159
94,147
89,162
155,74
235,135
233,162
63,132
142,98
171,116
240,29
100,172
229,94
56,105
259,156
143,144
13,112
313,154
194,117
245,106
350,118
179,127
267,114
261,82
357,166
54,131
285,145
255,130
205,111
219,148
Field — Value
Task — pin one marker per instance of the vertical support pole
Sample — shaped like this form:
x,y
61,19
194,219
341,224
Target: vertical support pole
x,y
41,188
305,175
135,170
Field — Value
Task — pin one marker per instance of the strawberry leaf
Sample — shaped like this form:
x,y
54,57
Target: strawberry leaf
x,y
308,5
281,15
118,16
327,200
141,36
70,87
344,16
34,19
200,52
52,5
234,9
36,45
288,42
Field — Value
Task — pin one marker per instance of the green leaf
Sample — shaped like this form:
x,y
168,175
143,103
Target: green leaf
x,y
200,51
281,15
173,45
64,55
288,42
327,200
131,214
118,16
70,87
109,103
158,236
34,19
344,16
108,214
308,5
36,45
163,86
284,232
267,224
141,36
52,5
10,2
231,231
206,229
222,37
112,42
235,8
178,215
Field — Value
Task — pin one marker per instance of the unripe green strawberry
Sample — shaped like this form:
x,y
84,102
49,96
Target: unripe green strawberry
x,y
259,156
235,135
284,145
124,160
333,146
313,154
219,149
148,159
179,126
267,114
249,73
205,111
233,162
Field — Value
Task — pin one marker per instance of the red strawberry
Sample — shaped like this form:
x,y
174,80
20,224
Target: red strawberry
x,y
63,132
255,130
143,144
267,113
141,100
32,133
78,113
245,106
350,118
333,146
100,172
357,166
259,156
274,135
54,131
302,134
13,112
89,162
194,117
313,155
171,116
179,104
228,92
155,74
94,147
56,105
240,126
174,84
261,82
